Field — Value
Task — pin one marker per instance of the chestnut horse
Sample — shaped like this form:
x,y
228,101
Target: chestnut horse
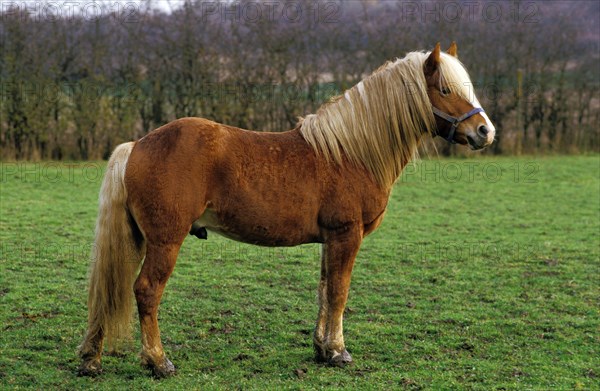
x,y
326,181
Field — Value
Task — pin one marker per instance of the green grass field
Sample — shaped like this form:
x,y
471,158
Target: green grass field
x,y
484,275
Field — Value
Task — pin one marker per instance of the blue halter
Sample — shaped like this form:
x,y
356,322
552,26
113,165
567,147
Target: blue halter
x,y
455,121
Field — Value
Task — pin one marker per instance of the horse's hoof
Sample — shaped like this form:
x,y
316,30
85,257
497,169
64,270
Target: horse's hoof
x,y
165,369
89,368
340,359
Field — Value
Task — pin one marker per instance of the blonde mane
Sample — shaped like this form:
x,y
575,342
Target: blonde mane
x,y
378,123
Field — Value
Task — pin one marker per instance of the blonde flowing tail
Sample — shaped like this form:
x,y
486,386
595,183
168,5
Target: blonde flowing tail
x,y
118,250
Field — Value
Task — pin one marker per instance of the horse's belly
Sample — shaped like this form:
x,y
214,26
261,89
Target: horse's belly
x,y
265,230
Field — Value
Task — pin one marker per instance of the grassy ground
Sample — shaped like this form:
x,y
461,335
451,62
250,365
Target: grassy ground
x,y
484,275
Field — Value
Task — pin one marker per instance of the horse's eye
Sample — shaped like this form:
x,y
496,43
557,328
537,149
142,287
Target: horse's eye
x,y
445,91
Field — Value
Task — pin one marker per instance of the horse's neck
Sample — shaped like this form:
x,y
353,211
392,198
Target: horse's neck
x,y
405,161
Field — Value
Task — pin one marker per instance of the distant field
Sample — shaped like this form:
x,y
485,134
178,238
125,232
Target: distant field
x,y
484,275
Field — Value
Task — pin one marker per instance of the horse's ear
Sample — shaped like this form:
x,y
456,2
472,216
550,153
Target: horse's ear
x,y
453,49
433,61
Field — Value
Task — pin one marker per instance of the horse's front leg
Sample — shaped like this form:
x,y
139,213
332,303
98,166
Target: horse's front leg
x,y
149,287
339,253
321,326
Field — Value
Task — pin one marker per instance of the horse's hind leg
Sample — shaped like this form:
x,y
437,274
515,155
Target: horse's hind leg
x,y
149,286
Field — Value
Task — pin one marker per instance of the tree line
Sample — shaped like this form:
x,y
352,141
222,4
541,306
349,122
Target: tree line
x,y
75,82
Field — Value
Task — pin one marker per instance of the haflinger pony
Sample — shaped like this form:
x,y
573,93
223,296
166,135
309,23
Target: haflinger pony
x,y
326,181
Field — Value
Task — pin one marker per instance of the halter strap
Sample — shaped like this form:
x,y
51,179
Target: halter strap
x,y
455,121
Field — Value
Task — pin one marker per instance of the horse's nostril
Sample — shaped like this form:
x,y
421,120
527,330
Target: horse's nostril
x,y
483,130
471,141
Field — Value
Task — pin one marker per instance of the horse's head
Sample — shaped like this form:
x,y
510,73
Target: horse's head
x,y
458,114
